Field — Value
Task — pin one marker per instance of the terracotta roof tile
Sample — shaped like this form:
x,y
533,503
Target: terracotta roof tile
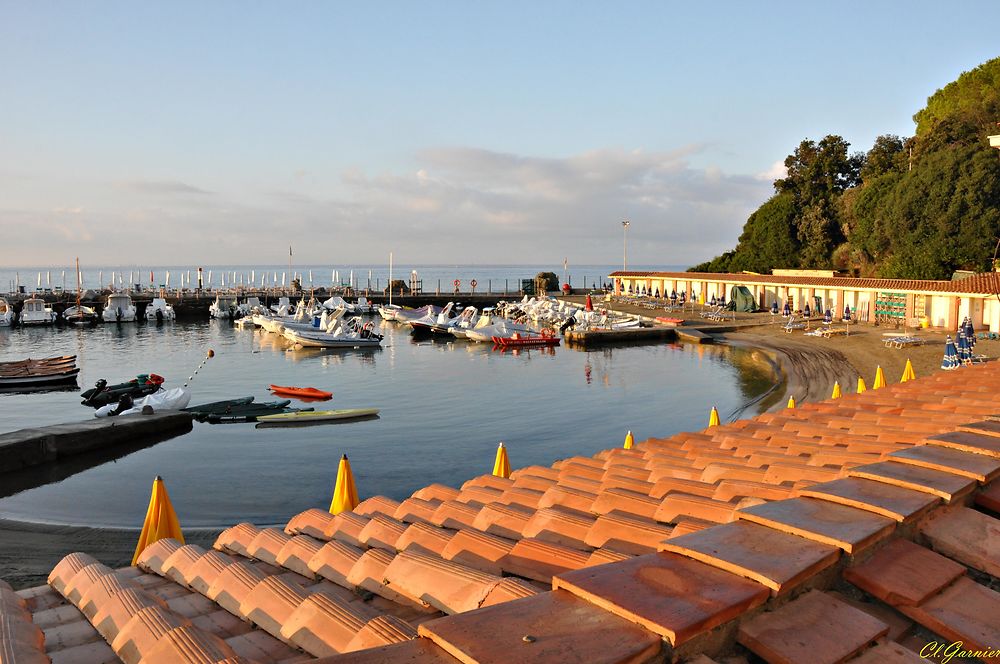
x,y
478,550
778,560
627,533
549,627
141,633
297,552
503,520
237,538
670,595
313,522
888,653
989,497
101,591
323,625
677,505
267,545
828,523
521,496
444,584
377,505
814,628
233,584
964,611
625,501
413,651
489,481
437,492
190,644
271,602
453,514
381,631
382,532
945,485
977,466
67,568
904,574
976,443
207,569
425,536
559,525
416,509
894,502
347,527
82,581
540,560
334,561
966,535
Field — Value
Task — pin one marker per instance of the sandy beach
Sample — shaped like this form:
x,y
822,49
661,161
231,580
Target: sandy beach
x,y
810,365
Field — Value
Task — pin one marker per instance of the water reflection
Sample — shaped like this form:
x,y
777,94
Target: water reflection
x,y
443,408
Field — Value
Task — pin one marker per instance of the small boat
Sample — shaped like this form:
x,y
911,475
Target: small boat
x,y
80,315
38,373
388,311
306,392
519,340
318,416
249,412
119,309
160,311
224,307
465,319
34,311
404,315
219,406
6,313
425,324
102,394
363,306
173,399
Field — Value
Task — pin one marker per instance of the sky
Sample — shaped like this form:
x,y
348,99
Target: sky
x,y
446,132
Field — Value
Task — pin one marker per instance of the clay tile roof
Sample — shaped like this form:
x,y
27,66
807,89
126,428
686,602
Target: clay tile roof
x,y
987,283
858,511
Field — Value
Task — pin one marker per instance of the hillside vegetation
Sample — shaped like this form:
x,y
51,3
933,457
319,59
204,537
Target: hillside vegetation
x,y
914,208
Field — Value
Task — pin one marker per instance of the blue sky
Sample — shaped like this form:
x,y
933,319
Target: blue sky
x,y
497,132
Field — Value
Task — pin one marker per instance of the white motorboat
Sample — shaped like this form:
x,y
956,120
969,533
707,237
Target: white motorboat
x,y
466,318
499,328
34,311
224,307
363,306
337,302
388,311
159,310
119,309
79,314
485,318
407,315
424,325
283,307
349,334
6,313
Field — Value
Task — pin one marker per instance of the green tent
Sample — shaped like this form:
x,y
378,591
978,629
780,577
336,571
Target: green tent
x,y
741,299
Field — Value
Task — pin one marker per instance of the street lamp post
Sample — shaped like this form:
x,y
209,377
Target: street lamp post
x,y
625,244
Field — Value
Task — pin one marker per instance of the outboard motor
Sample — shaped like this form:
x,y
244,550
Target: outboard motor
x,y
159,315
118,315
123,404
570,322
98,388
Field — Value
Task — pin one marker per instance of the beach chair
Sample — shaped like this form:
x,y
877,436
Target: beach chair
x,y
791,325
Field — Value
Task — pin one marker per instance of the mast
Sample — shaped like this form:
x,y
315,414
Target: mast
x,y
390,278
78,285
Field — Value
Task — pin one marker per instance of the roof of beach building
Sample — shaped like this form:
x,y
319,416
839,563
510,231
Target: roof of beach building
x,y
862,527
985,283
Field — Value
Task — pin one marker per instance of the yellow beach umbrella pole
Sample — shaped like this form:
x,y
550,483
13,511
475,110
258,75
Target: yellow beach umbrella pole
x,y
836,390
501,467
629,441
161,520
879,378
345,494
713,418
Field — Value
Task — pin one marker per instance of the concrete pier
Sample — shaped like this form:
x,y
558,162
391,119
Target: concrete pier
x,y
31,447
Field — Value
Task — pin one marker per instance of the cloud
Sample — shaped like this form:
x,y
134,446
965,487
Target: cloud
x,y
161,187
775,172
452,204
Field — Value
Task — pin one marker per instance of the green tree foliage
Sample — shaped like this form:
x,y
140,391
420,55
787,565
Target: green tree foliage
x,y
918,208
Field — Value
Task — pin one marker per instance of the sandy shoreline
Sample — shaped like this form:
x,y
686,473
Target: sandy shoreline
x,y
808,366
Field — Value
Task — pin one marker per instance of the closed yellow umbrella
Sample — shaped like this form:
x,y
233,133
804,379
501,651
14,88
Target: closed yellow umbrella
x,y
836,390
791,402
908,372
161,520
861,385
501,467
345,494
713,418
629,441
879,378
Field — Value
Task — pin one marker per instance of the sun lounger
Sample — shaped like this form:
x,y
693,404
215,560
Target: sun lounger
x,y
791,325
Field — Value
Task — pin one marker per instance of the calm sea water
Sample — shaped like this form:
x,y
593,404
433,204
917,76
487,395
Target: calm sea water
x,y
444,406
361,276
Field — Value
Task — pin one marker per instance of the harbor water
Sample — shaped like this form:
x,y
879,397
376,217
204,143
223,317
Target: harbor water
x,y
444,407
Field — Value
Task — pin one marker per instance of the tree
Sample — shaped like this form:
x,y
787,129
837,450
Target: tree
x,y
886,156
818,171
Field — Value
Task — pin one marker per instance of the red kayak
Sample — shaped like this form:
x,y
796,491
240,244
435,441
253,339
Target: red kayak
x,y
301,392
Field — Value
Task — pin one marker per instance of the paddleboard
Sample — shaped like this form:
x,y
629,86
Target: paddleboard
x,y
320,415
